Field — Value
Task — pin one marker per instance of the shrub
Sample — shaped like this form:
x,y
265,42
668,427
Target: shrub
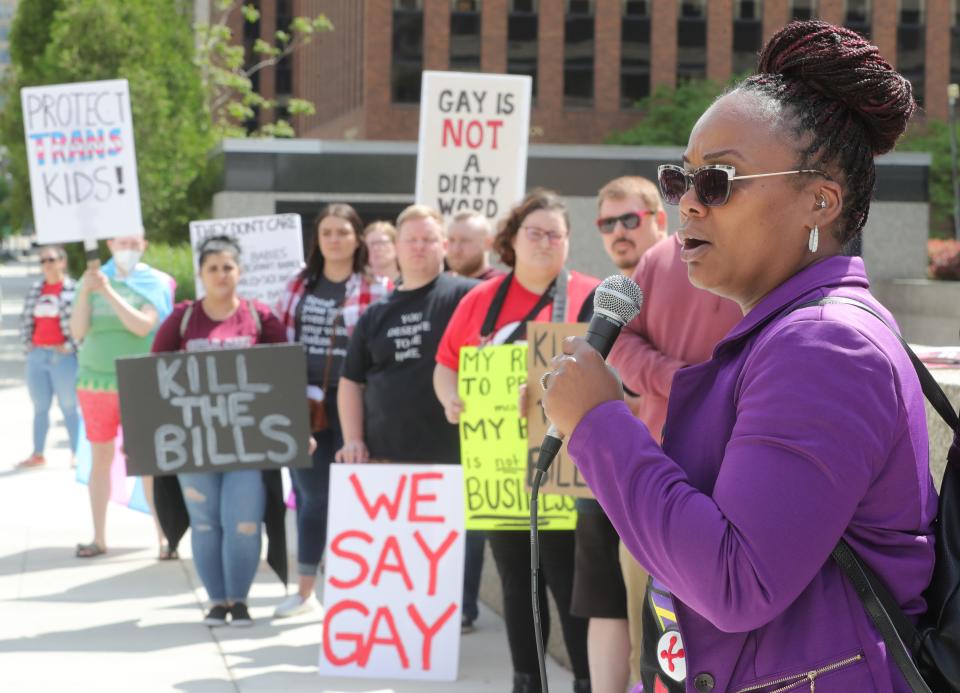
x,y
944,258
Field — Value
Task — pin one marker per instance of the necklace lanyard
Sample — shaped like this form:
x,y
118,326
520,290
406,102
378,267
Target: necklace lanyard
x,y
496,306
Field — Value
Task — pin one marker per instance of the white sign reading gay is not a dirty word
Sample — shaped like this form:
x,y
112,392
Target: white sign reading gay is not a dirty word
x,y
83,163
394,578
271,251
472,152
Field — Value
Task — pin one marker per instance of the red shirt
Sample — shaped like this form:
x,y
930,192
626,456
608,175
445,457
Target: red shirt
x,y
464,327
46,317
203,333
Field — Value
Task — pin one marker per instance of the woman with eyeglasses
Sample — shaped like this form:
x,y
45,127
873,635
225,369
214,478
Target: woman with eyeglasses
x,y
534,241
806,426
51,351
380,239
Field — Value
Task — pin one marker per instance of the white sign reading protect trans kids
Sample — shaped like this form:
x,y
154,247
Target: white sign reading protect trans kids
x,y
83,163
474,130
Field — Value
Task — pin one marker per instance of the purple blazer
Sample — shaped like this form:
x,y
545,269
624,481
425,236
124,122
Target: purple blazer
x,y
801,429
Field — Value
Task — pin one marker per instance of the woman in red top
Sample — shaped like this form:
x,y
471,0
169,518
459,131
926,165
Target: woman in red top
x,y
534,240
51,352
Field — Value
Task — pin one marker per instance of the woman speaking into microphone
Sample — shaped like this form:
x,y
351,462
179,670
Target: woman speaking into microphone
x,y
808,424
534,241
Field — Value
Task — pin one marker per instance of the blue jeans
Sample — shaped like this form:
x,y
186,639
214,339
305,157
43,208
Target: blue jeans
x,y
312,486
49,372
226,512
472,569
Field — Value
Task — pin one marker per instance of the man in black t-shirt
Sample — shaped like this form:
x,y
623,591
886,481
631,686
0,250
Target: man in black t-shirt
x,y
388,409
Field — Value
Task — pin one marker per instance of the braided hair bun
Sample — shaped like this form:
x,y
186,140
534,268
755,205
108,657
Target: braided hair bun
x,y
844,67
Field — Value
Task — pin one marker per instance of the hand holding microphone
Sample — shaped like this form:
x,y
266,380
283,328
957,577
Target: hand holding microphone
x,y
580,379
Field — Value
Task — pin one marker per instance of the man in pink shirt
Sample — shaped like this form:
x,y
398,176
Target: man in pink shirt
x,y
679,325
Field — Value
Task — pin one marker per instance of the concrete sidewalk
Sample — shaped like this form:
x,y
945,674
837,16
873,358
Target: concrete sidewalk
x,y
127,622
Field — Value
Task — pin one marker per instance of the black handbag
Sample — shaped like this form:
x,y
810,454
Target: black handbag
x,y
928,654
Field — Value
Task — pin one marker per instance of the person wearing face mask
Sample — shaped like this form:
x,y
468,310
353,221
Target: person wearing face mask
x,y
51,351
116,311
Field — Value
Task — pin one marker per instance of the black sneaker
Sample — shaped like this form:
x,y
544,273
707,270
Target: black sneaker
x,y
239,616
217,616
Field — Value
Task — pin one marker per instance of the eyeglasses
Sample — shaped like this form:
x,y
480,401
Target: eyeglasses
x,y
630,220
47,260
712,183
536,234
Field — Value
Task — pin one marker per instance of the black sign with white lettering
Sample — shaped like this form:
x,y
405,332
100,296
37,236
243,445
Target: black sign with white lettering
x,y
214,411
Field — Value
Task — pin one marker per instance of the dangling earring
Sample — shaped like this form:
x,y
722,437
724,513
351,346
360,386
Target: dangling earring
x,y
814,241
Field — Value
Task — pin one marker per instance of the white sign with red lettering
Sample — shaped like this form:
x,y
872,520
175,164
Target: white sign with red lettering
x,y
394,572
472,153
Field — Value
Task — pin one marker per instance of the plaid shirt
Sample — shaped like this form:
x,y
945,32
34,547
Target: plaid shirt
x,y
361,291
27,322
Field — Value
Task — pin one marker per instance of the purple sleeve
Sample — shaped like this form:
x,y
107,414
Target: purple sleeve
x,y
816,409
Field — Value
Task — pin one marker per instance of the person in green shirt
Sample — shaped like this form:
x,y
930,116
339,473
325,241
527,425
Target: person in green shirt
x,y
116,312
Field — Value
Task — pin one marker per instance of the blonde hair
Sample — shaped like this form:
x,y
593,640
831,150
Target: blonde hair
x,y
389,229
631,186
421,212
471,214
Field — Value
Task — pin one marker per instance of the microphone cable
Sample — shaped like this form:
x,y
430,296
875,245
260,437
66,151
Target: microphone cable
x,y
548,451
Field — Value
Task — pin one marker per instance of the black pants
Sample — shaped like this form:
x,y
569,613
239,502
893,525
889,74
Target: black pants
x,y
511,552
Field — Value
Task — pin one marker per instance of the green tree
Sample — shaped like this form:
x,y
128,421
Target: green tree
x,y
227,70
668,115
151,45
934,137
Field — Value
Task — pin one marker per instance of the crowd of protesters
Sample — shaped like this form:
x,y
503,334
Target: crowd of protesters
x,y
369,403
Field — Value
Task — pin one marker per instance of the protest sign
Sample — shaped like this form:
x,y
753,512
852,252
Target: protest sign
x,y
271,251
472,151
393,581
545,340
83,165
214,411
493,444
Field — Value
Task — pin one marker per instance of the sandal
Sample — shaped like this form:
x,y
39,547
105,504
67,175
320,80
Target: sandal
x,y
167,554
90,550
32,462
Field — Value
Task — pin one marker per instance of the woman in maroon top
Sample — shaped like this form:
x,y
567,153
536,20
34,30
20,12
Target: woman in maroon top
x,y
225,508
51,352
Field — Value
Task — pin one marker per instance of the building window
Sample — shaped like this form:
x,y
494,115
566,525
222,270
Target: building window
x,y
911,45
465,35
284,69
251,32
747,35
803,9
955,43
407,64
522,40
692,40
634,52
856,16
578,54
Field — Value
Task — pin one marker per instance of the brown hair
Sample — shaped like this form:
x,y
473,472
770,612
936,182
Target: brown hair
x,y
389,229
536,199
314,269
631,186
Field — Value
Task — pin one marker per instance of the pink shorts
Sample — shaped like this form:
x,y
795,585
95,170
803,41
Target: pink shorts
x,y
101,414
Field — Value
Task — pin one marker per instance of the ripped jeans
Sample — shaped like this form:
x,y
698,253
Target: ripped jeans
x,y
226,513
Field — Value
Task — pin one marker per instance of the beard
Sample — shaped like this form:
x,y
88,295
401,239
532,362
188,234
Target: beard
x,y
468,267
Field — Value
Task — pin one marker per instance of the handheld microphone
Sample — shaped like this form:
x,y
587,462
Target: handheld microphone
x,y
616,302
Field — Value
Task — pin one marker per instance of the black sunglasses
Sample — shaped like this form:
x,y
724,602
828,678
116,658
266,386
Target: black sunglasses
x,y
630,220
712,183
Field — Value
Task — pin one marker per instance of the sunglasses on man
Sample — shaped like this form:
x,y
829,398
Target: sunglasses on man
x,y
712,183
630,221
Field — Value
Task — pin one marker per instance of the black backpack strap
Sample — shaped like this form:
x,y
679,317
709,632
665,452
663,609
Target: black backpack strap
x,y
899,635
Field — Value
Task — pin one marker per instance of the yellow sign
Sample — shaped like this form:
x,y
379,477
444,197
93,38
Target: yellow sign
x,y
546,341
493,444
